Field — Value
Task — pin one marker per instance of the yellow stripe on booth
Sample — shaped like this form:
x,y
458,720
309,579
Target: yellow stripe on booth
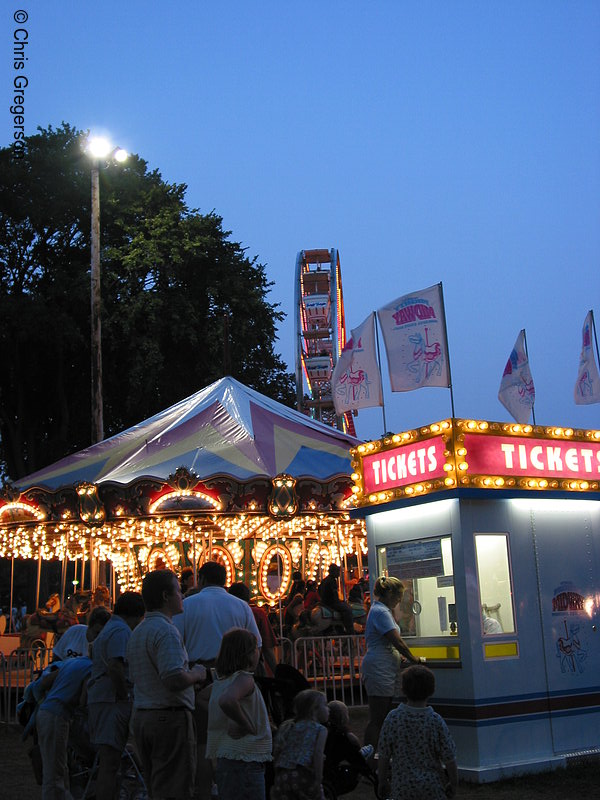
x,y
501,650
437,652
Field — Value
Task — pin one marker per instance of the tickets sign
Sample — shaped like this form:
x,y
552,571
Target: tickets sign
x,y
512,455
409,463
471,454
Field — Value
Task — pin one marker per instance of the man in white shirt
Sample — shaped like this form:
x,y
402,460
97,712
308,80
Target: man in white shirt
x,y
206,617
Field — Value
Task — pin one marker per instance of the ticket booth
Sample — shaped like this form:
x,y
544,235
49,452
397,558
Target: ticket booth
x,y
494,529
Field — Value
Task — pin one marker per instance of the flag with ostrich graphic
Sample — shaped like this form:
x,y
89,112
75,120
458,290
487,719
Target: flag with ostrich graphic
x,y
587,386
517,392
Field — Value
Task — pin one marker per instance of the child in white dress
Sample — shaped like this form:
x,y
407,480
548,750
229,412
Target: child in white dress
x,y
239,733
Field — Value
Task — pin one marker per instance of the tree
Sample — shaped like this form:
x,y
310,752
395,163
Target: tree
x,y
174,286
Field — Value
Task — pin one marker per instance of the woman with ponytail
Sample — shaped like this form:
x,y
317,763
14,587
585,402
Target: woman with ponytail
x,y
386,654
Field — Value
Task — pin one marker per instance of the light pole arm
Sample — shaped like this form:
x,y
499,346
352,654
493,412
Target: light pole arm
x,y
96,343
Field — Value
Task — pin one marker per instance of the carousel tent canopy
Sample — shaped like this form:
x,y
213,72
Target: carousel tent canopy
x,y
225,429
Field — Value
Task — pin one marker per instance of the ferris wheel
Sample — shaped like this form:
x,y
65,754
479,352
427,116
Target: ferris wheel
x,y
320,334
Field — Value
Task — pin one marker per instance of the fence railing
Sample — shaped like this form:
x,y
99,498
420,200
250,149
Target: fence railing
x,y
331,664
17,670
284,651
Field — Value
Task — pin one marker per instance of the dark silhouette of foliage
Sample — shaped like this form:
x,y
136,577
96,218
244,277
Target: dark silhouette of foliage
x,y
173,284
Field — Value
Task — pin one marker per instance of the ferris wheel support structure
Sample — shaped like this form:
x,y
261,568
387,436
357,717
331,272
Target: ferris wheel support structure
x,y
320,334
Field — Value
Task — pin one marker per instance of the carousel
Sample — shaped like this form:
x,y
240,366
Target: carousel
x,y
226,474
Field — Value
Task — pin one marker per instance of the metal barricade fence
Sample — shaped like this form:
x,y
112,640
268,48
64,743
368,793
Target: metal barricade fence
x,y
18,670
285,651
331,664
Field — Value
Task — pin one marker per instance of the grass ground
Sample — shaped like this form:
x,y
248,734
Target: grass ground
x,y
578,782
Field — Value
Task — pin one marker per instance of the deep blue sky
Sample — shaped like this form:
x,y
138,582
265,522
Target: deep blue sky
x,y
455,142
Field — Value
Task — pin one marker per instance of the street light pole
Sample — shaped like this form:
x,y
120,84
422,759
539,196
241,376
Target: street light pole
x,y
97,406
100,150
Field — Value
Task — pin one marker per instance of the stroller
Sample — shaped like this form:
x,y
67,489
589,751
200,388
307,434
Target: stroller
x,y
82,758
279,692
344,763
344,766
83,765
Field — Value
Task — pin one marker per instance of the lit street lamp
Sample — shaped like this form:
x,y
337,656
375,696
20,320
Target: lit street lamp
x,y
101,151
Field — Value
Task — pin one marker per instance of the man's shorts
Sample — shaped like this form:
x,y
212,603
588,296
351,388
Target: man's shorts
x,y
109,724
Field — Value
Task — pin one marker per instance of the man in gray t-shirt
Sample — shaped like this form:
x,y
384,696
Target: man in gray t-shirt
x,y
163,691
109,691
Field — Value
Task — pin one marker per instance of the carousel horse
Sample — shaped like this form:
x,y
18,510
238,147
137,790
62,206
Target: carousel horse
x,y
293,612
52,620
324,620
100,597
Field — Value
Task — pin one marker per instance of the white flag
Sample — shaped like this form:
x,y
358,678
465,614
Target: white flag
x,y
356,380
414,332
517,393
587,387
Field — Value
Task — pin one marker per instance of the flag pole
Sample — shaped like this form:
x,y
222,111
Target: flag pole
x,y
447,349
595,336
527,354
385,429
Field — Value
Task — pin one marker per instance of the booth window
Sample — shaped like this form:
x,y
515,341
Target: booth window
x,y
495,583
425,568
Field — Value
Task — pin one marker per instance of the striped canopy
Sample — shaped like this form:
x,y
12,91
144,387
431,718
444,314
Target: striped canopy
x,y
224,429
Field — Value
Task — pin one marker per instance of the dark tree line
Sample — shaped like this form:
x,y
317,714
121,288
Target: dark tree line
x,y
178,299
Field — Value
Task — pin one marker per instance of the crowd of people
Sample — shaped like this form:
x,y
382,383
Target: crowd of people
x,y
178,674
312,607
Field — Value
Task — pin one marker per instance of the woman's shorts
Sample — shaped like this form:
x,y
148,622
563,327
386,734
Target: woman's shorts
x,y
381,673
